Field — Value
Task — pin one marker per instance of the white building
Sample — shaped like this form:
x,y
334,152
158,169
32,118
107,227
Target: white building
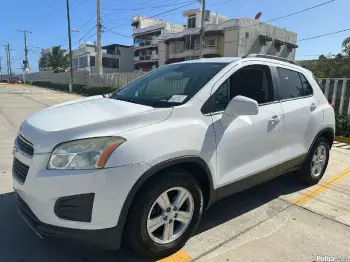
x,y
145,33
226,37
44,59
115,58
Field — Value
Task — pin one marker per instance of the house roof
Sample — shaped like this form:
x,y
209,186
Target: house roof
x,y
115,45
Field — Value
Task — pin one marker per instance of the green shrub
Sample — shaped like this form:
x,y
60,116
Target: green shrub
x,y
342,123
80,89
62,87
92,91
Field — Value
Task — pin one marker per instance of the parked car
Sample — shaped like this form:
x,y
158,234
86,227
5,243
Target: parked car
x,y
14,80
142,164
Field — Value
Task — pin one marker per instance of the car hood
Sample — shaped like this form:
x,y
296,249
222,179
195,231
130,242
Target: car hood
x,y
87,117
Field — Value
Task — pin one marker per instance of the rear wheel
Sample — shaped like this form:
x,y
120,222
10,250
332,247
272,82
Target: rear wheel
x,y
316,163
164,214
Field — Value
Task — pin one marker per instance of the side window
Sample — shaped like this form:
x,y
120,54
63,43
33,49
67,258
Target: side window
x,y
221,96
254,82
307,89
251,81
290,84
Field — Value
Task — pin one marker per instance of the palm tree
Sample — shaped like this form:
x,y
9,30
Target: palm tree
x,y
58,59
346,45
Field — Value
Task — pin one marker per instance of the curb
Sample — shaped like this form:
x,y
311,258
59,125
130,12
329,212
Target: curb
x,y
342,139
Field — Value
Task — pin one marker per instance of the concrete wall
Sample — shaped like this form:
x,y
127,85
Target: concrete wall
x,y
251,44
231,42
163,51
59,78
126,60
221,45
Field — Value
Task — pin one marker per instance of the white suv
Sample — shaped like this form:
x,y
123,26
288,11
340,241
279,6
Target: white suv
x,y
141,164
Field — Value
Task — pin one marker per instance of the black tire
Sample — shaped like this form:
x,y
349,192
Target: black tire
x,y
135,234
305,173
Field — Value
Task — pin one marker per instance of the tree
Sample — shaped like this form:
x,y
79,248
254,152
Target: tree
x,y
330,66
58,59
346,46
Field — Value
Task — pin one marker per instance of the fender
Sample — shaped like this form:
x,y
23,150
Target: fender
x,y
319,134
152,171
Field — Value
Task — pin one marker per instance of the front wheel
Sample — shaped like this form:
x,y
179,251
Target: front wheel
x,y
164,215
316,163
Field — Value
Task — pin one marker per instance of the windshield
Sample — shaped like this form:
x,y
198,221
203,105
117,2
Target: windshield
x,y
169,85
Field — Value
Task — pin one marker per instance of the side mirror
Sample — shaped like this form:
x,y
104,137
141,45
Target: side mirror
x,y
242,106
239,106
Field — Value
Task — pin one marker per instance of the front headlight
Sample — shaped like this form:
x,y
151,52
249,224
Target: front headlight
x,y
88,153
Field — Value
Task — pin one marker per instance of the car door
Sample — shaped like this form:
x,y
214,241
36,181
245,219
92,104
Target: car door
x,y
303,116
248,145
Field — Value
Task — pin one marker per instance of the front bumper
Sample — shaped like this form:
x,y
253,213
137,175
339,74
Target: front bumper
x,y
105,238
42,189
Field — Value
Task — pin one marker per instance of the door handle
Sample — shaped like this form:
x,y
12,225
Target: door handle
x,y
275,119
313,106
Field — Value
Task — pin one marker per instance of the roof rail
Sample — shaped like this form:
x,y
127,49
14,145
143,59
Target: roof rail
x,y
271,57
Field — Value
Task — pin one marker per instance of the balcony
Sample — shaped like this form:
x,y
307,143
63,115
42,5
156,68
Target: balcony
x,y
145,58
194,52
145,44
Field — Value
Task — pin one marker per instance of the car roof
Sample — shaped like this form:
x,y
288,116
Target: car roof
x,y
212,60
228,60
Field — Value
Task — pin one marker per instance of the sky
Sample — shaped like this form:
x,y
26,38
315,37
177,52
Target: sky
x,y
47,21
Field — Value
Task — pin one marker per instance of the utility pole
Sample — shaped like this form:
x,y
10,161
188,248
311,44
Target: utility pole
x,y
98,48
201,42
25,64
0,69
70,49
8,60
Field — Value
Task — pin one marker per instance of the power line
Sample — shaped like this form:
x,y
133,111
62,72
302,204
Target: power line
x,y
110,30
327,34
92,17
281,17
165,12
85,35
143,8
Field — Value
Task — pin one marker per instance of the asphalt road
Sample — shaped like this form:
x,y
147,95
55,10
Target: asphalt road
x,y
280,220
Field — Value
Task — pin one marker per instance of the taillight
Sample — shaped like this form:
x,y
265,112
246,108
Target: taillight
x,y
332,106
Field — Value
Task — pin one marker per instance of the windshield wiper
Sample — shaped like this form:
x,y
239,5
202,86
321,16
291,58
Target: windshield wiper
x,y
143,101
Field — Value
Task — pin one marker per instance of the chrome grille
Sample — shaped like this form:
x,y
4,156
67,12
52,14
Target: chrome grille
x,y
19,171
24,146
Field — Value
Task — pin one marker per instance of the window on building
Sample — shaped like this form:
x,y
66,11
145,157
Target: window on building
x,y
191,22
211,42
196,44
292,84
110,62
179,47
75,62
117,51
187,42
254,82
92,60
83,62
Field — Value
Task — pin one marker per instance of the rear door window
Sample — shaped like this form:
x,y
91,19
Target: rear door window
x,y
292,84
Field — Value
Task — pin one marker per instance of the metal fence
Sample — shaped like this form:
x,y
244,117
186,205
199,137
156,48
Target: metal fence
x,y
337,91
115,79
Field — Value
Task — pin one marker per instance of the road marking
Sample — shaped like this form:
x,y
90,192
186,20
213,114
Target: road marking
x,y
180,256
318,189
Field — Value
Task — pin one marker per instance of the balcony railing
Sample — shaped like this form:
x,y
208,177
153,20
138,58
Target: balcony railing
x,y
144,58
146,43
